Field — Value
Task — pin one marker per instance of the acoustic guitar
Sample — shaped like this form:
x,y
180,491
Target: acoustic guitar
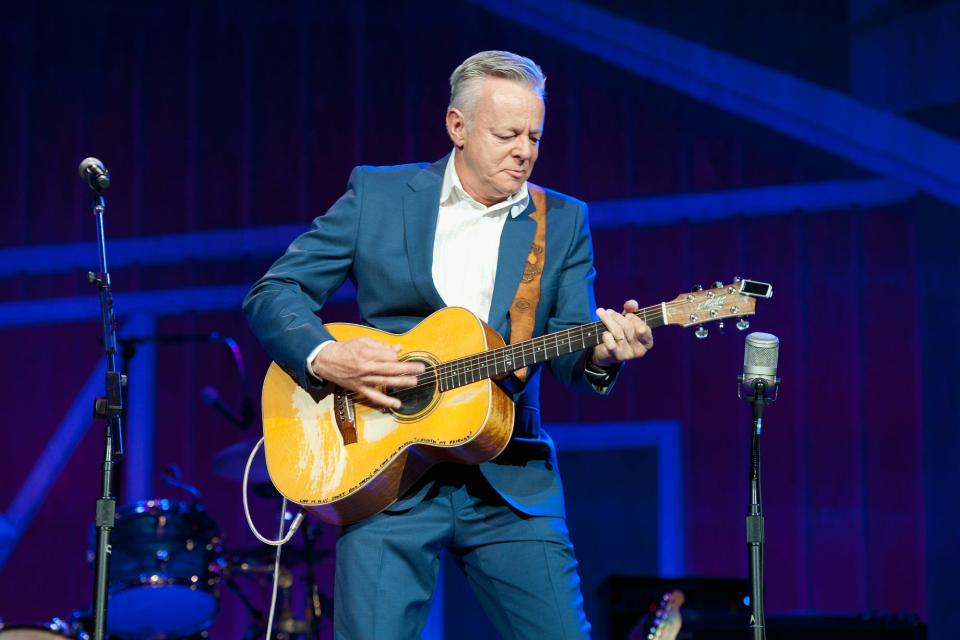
x,y
343,459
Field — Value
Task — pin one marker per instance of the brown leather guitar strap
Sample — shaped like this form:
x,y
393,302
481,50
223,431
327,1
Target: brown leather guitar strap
x,y
523,310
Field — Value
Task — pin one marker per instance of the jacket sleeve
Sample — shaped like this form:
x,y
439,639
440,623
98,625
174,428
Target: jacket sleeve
x,y
281,306
575,305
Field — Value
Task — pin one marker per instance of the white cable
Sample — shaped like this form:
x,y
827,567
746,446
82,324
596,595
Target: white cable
x,y
282,539
276,573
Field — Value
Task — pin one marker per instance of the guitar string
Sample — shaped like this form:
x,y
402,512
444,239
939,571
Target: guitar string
x,y
455,370
459,367
493,358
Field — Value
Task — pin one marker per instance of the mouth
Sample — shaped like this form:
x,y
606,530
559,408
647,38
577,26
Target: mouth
x,y
516,174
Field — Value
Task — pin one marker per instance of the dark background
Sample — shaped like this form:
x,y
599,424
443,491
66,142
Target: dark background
x,y
243,115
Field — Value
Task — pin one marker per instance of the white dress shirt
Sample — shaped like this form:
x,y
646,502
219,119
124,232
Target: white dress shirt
x,y
467,243
466,246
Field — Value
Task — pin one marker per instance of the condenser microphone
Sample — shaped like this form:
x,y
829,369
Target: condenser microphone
x,y
760,360
94,174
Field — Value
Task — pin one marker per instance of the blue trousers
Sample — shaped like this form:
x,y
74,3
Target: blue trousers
x,y
522,568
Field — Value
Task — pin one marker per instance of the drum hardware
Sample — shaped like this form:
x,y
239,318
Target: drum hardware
x,y
260,561
243,418
172,477
166,556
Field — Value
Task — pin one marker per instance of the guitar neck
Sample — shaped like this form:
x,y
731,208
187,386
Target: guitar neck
x,y
497,362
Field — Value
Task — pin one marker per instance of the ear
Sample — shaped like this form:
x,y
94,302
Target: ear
x,y
456,126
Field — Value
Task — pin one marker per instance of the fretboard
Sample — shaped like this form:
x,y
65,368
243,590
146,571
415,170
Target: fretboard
x,y
497,362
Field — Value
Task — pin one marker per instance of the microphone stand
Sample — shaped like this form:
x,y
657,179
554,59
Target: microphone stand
x,y
109,409
754,530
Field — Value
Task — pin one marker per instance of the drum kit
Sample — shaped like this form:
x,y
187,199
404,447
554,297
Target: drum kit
x,y
168,564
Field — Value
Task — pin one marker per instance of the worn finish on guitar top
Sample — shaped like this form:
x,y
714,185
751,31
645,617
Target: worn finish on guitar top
x,y
342,482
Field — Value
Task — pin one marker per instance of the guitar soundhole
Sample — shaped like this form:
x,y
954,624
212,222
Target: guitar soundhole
x,y
416,399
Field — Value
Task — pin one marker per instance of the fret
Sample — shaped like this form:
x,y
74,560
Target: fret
x,y
481,366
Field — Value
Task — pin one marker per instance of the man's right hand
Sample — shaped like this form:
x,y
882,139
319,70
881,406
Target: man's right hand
x,y
365,366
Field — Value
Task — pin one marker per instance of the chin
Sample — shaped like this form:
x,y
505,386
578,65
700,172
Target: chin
x,y
511,187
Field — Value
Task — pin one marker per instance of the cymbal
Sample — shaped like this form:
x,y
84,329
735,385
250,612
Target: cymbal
x,y
230,462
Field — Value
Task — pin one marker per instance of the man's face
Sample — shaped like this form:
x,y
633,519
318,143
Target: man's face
x,y
498,139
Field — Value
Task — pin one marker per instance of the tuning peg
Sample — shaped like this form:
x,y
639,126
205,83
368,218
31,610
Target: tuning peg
x,y
743,324
737,279
720,328
697,287
701,332
718,285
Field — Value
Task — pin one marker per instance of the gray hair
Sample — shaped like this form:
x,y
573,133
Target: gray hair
x,y
465,80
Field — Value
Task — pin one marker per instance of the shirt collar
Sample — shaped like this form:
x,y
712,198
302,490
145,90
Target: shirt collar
x,y
451,192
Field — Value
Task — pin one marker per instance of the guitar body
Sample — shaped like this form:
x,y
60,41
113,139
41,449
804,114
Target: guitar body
x,y
344,460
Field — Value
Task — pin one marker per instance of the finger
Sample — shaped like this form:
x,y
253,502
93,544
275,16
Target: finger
x,y
638,331
606,317
616,324
395,382
382,352
642,332
635,331
378,398
389,367
412,368
610,343
646,338
631,306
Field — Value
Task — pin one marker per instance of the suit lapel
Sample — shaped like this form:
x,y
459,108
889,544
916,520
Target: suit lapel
x,y
420,207
515,241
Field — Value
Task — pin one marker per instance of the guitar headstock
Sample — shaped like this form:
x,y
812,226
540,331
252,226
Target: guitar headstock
x,y
663,622
735,300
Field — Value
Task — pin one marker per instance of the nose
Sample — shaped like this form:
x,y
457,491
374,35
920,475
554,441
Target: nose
x,y
523,150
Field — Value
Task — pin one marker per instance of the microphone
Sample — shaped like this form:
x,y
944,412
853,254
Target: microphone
x,y
94,174
760,360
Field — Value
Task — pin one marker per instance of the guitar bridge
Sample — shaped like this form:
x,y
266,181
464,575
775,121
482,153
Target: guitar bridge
x,y
346,418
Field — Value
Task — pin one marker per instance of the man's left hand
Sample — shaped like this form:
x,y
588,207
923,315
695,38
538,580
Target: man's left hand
x,y
626,337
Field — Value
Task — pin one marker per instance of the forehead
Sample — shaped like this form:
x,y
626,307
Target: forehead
x,y
510,103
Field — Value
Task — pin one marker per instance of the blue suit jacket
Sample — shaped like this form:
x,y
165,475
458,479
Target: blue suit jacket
x,y
380,234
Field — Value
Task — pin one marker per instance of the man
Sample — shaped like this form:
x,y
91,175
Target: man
x,y
413,239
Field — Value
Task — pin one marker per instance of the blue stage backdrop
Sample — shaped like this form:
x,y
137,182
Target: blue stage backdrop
x,y
247,117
